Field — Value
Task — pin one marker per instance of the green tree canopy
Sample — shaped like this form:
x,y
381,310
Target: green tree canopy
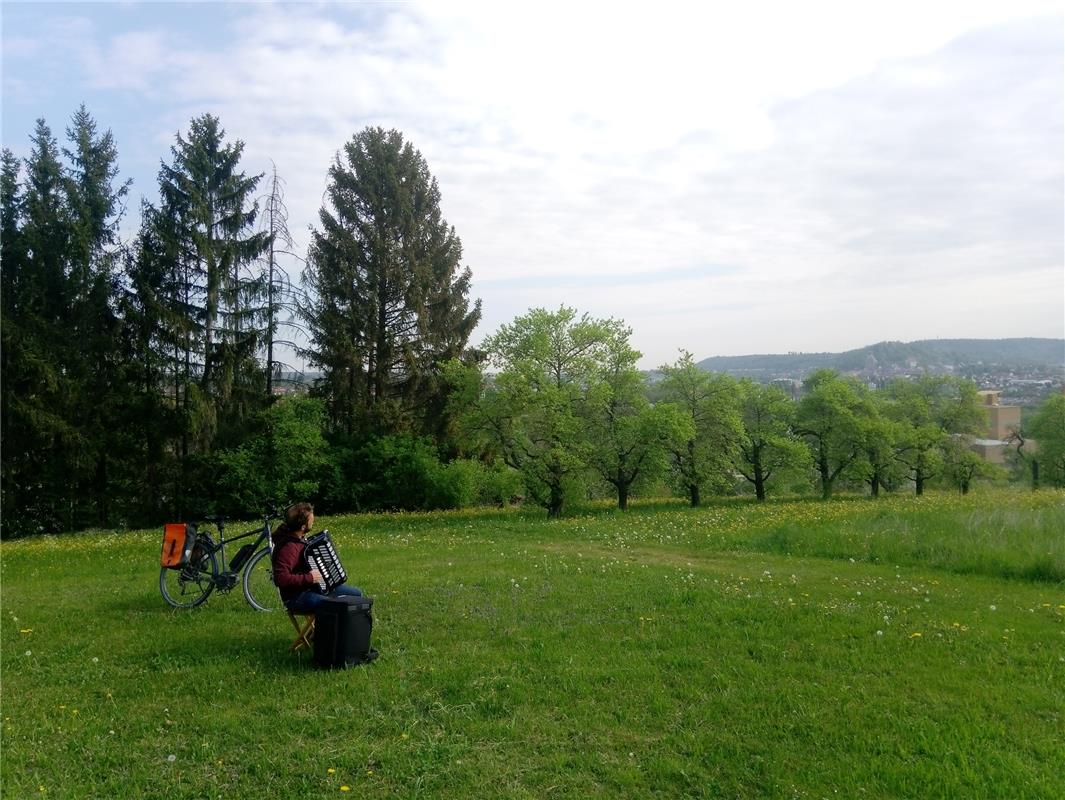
x,y
768,447
930,409
1048,429
708,405
832,416
628,438
530,411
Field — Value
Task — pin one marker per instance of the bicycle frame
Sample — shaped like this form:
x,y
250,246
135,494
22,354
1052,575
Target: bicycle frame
x,y
227,578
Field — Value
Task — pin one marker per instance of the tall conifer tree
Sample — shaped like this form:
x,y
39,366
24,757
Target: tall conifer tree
x,y
207,221
389,298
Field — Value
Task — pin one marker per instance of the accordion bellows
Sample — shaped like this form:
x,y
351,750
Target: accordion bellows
x,y
322,556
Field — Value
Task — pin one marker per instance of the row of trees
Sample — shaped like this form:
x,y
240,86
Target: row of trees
x,y
134,372
139,377
566,405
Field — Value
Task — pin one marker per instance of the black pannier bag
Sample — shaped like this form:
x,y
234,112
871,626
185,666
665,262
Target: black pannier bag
x,y
243,554
342,627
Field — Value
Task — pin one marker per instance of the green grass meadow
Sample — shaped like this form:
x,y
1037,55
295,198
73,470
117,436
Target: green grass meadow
x,y
901,647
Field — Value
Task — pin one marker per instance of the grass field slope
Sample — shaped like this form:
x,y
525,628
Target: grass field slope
x,y
901,647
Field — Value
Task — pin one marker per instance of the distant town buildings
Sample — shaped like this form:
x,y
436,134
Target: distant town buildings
x,y
1003,422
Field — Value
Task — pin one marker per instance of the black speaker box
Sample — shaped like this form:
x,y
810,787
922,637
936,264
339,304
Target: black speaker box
x,y
342,628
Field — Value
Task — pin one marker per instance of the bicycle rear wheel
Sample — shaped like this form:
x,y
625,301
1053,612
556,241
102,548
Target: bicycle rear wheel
x,y
189,586
259,588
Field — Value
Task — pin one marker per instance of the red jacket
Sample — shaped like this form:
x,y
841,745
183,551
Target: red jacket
x,y
292,574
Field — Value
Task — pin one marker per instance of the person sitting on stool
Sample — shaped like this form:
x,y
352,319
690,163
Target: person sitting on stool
x,y
293,576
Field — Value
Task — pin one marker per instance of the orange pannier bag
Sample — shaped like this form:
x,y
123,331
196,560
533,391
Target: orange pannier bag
x,y
178,539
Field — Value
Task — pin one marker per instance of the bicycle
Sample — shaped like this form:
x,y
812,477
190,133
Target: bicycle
x,y
191,585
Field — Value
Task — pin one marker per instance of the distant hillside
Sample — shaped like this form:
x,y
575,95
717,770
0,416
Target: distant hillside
x,y
926,353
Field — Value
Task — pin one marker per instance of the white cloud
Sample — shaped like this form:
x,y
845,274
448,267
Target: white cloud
x,y
840,161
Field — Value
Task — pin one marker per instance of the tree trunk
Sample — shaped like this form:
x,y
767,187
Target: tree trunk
x,y
759,475
693,490
874,484
918,483
102,498
826,476
623,496
554,508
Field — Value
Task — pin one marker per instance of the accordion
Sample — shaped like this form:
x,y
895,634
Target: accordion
x,y
322,556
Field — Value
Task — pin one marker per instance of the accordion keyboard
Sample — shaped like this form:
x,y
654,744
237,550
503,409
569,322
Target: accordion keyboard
x,y
322,556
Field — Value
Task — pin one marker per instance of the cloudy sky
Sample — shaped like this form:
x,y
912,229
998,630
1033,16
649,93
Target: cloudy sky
x,y
745,178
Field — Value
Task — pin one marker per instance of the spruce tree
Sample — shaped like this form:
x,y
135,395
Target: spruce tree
x,y
60,340
36,388
207,220
95,204
389,299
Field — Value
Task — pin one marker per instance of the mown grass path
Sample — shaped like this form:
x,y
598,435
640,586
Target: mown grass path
x,y
892,648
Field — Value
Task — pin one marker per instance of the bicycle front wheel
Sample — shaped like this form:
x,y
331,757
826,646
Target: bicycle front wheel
x,y
189,586
259,588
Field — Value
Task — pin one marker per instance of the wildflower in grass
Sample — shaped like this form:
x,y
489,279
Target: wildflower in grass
x,y
879,633
171,758
26,630
29,652
345,788
915,635
330,770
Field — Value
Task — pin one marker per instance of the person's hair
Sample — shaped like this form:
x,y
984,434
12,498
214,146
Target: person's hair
x,y
297,516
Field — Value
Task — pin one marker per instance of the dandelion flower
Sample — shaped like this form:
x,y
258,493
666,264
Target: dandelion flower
x,y
879,633
915,635
330,770
993,608
345,788
171,758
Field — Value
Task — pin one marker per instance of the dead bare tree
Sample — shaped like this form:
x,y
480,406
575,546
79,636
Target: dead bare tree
x,y
281,293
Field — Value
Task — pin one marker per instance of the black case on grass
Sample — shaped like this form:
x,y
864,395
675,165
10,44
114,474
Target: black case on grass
x,y
342,627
